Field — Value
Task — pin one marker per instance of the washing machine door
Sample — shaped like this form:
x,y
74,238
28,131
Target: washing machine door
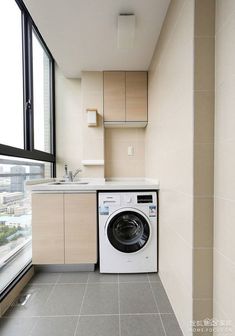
x,y
128,231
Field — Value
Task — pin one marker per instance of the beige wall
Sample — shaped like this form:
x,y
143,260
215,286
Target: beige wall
x,y
92,137
224,207
179,151
204,35
68,122
75,141
169,153
117,162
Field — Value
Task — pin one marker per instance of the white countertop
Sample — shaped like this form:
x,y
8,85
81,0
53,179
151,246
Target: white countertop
x,y
95,184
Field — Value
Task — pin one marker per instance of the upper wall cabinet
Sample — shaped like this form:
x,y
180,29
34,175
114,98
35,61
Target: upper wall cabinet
x,y
136,96
114,96
125,99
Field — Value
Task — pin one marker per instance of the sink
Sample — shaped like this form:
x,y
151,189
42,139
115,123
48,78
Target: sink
x,y
69,183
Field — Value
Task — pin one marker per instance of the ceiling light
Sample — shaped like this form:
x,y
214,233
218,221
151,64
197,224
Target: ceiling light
x,y
126,31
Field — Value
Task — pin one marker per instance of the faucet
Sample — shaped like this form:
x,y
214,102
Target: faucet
x,y
73,175
66,175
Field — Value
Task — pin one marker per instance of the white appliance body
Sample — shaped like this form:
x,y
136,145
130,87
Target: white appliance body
x,y
128,232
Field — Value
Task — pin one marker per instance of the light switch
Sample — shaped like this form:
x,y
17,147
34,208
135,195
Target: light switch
x,y
130,150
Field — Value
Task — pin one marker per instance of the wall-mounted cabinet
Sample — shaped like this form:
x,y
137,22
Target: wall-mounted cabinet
x,y
64,228
136,96
114,96
125,98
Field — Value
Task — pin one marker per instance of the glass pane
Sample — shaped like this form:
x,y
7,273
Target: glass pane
x,y
15,214
11,79
41,97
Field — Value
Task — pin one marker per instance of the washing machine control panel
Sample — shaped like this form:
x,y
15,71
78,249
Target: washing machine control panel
x,y
145,198
109,202
128,199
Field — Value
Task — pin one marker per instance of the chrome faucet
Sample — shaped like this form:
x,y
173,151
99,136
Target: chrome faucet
x,y
66,175
73,175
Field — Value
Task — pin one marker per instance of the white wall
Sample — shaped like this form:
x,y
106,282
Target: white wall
x,y
224,206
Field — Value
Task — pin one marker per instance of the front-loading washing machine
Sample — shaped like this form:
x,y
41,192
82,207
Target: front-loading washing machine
x,y
128,234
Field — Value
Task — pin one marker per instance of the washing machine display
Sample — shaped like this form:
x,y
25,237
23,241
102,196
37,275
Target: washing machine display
x,y
128,231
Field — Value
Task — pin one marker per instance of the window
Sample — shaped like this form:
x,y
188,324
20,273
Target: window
x,y
27,134
11,79
26,82
41,96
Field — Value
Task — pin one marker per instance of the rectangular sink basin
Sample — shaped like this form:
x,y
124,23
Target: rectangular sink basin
x,y
69,183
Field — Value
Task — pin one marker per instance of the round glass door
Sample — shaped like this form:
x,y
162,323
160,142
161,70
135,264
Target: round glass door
x,y
128,231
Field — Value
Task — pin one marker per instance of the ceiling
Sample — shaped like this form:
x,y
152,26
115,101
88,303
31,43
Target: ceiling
x,y
82,34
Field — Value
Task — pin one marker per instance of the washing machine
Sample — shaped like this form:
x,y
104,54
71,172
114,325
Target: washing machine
x,y
128,234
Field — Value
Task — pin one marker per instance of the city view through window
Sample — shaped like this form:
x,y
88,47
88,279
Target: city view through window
x,y
15,213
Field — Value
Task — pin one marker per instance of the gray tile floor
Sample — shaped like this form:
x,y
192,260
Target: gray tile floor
x,y
92,304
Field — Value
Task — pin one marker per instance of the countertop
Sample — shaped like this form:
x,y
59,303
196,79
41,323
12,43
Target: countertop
x,y
95,184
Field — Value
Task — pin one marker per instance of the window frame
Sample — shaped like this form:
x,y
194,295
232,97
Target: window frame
x,y
29,152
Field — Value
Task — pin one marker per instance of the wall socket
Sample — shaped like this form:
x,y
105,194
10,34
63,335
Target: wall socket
x,y
130,150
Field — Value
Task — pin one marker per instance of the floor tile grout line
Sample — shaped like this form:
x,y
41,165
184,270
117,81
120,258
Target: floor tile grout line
x,y
59,283
155,300
34,326
119,309
59,277
91,283
52,290
78,319
85,315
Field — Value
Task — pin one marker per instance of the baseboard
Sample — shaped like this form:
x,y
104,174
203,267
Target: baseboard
x,y
14,293
65,268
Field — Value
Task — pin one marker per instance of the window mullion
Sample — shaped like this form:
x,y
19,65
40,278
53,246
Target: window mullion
x,y
52,107
28,83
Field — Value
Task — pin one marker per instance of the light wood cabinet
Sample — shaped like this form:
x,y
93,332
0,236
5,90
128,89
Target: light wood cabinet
x,y
47,229
114,96
136,96
64,228
80,228
125,96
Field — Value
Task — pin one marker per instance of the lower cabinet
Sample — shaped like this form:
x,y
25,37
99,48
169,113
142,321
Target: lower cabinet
x,y
80,228
64,228
47,229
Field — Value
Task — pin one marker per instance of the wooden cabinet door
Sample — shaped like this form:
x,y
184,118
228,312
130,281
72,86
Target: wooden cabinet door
x,y
136,96
114,96
80,228
47,229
